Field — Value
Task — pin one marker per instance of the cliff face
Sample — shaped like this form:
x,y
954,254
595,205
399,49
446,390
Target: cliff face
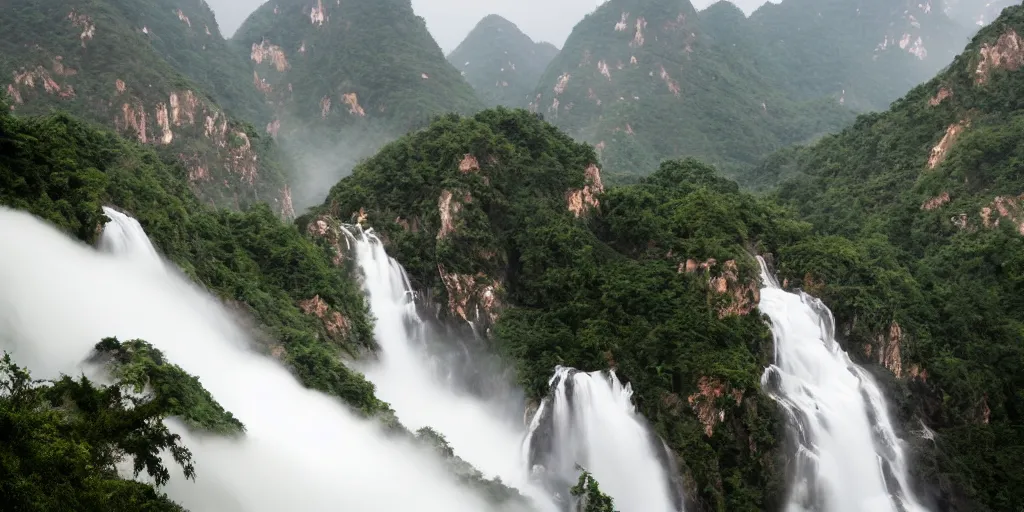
x,y
127,66
332,108
929,192
645,81
501,62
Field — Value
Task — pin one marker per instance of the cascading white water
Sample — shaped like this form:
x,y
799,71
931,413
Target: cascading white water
x,y
302,450
124,235
476,429
849,457
590,420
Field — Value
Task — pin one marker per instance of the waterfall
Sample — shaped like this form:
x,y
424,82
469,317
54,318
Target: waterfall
x,y
589,420
849,458
302,450
124,235
417,381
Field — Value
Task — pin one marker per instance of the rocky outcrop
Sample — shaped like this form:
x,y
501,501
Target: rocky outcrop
x,y
941,149
327,229
471,297
707,402
581,200
936,201
889,347
1007,53
1004,208
336,324
943,94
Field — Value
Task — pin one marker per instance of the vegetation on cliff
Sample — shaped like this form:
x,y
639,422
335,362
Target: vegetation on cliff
x,y
503,220
333,108
64,438
309,310
501,62
151,72
590,498
137,364
647,81
927,281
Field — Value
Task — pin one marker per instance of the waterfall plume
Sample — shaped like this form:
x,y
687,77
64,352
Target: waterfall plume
x,y
849,457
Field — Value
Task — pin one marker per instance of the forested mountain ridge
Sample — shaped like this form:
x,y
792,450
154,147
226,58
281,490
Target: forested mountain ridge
x,y
501,62
333,108
504,221
645,81
864,53
929,195
301,305
153,71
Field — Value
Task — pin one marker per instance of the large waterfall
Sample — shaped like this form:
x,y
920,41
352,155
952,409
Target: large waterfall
x,y
849,458
589,420
302,450
413,377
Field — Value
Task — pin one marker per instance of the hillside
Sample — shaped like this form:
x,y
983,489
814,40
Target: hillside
x,y
333,108
930,194
154,71
503,221
645,81
865,54
501,62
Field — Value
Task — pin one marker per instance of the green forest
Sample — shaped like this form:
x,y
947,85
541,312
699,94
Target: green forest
x,y
565,230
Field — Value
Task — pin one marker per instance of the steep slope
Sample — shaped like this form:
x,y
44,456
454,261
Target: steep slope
x,y
343,78
645,81
505,222
864,53
501,62
127,65
930,192
302,306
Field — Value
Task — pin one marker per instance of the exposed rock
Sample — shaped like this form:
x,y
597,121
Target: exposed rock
x,y
745,296
1007,53
581,200
183,18
705,402
287,208
317,15
469,164
448,209
941,149
466,293
673,86
133,121
163,120
943,94
270,53
352,101
1003,207
889,349
325,107
327,228
85,23
334,322
936,201
244,160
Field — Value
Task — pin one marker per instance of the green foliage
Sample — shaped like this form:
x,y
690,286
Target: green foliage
x,y
337,107
63,170
680,86
501,62
604,289
589,494
923,251
137,364
92,59
62,440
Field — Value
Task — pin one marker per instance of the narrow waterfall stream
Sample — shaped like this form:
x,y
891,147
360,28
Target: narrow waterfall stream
x,y
589,419
477,429
302,450
849,457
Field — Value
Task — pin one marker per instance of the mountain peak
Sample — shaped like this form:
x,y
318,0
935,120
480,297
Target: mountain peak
x,y
501,62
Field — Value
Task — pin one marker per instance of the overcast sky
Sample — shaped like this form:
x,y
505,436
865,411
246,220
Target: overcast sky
x,y
450,20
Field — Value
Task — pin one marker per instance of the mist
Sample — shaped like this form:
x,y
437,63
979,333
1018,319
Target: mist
x,y
450,21
302,450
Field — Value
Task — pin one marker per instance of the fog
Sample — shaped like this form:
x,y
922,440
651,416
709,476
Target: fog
x,y
451,20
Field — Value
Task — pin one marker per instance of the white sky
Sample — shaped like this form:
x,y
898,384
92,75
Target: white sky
x,y
450,20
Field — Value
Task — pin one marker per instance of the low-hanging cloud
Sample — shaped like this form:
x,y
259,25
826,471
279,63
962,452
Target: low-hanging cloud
x,y
451,20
